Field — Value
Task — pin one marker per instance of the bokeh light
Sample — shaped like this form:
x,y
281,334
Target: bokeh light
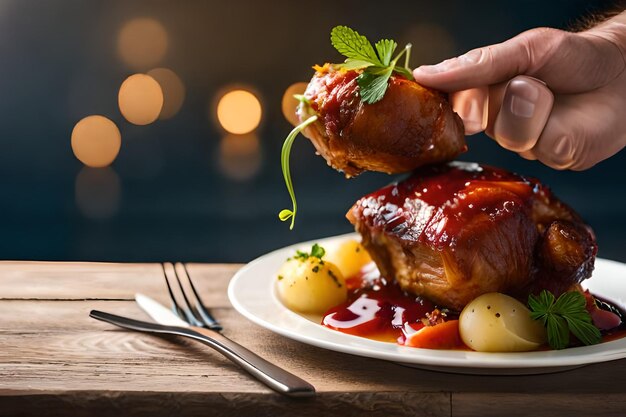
x,y
239,111
142,43
173,91
97,193
240,156
289,103
432,43
140,99
96,141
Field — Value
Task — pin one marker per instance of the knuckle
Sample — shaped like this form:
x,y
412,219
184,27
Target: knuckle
x,y
544,35
610,57
540,44
487,55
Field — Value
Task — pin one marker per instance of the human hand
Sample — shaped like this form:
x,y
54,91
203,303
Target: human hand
x,y
550,95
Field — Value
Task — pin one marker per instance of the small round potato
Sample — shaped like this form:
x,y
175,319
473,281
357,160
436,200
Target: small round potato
x,y
311,285
349,256
495,322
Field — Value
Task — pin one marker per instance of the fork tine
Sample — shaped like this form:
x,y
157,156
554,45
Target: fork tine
x,y
175,305
183,311
200,309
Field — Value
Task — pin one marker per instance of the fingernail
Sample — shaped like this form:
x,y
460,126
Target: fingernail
x,y
562,153
475,120
469,58
563,147
521,107
428,69
525,110
440,67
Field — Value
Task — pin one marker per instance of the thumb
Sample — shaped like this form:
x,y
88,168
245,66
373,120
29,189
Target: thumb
x,y
566,62
583,129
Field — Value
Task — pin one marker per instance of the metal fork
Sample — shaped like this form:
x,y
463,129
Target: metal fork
x,y
193,312
188,305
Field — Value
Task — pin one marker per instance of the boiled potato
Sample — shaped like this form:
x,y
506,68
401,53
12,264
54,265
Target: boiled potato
x,y
349,256
311,285
495,322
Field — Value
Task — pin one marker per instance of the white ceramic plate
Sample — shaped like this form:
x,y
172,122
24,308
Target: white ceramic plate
x,y
252,293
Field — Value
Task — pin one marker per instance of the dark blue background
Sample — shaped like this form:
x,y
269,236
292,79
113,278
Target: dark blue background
x,y
58,63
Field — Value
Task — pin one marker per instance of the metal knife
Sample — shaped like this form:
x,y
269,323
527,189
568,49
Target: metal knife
x,y
158,312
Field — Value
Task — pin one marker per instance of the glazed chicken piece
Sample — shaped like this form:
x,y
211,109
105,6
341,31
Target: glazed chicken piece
x,y
455,231
410,127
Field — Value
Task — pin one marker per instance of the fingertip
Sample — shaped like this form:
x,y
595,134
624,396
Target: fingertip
x,y
437,77
427,70
427,75
468,59
528,155
471,105
450,75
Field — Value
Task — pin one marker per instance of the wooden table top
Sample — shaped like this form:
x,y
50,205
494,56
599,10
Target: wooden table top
x,y
56,361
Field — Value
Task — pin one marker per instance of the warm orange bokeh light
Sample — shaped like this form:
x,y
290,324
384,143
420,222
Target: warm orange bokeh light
x,y
239,111
96,141
142,43
140,99
173,91
240,156
289,103
97,192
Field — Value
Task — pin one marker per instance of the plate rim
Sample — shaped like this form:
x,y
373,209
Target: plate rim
x,y
448,359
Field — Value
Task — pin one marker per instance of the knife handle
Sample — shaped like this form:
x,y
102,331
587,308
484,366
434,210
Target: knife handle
x,y
271,375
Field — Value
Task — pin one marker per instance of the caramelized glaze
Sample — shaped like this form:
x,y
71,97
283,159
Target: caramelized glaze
x,y
452,232
339,97
448,193
411,126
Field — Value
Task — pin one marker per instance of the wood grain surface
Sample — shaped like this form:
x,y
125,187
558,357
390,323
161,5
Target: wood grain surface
x,y
56,361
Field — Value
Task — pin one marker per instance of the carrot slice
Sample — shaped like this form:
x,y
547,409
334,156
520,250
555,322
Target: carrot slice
x,y
441,336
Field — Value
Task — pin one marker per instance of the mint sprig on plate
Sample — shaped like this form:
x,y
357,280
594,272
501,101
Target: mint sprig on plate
x,y
562,316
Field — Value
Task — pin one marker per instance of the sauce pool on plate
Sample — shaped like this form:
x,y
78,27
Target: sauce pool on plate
x,y
378,309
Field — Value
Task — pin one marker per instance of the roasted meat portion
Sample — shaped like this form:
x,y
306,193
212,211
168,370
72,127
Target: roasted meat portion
x,y
455,231
410,127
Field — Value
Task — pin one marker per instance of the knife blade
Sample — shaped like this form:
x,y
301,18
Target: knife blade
x,y
159,312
